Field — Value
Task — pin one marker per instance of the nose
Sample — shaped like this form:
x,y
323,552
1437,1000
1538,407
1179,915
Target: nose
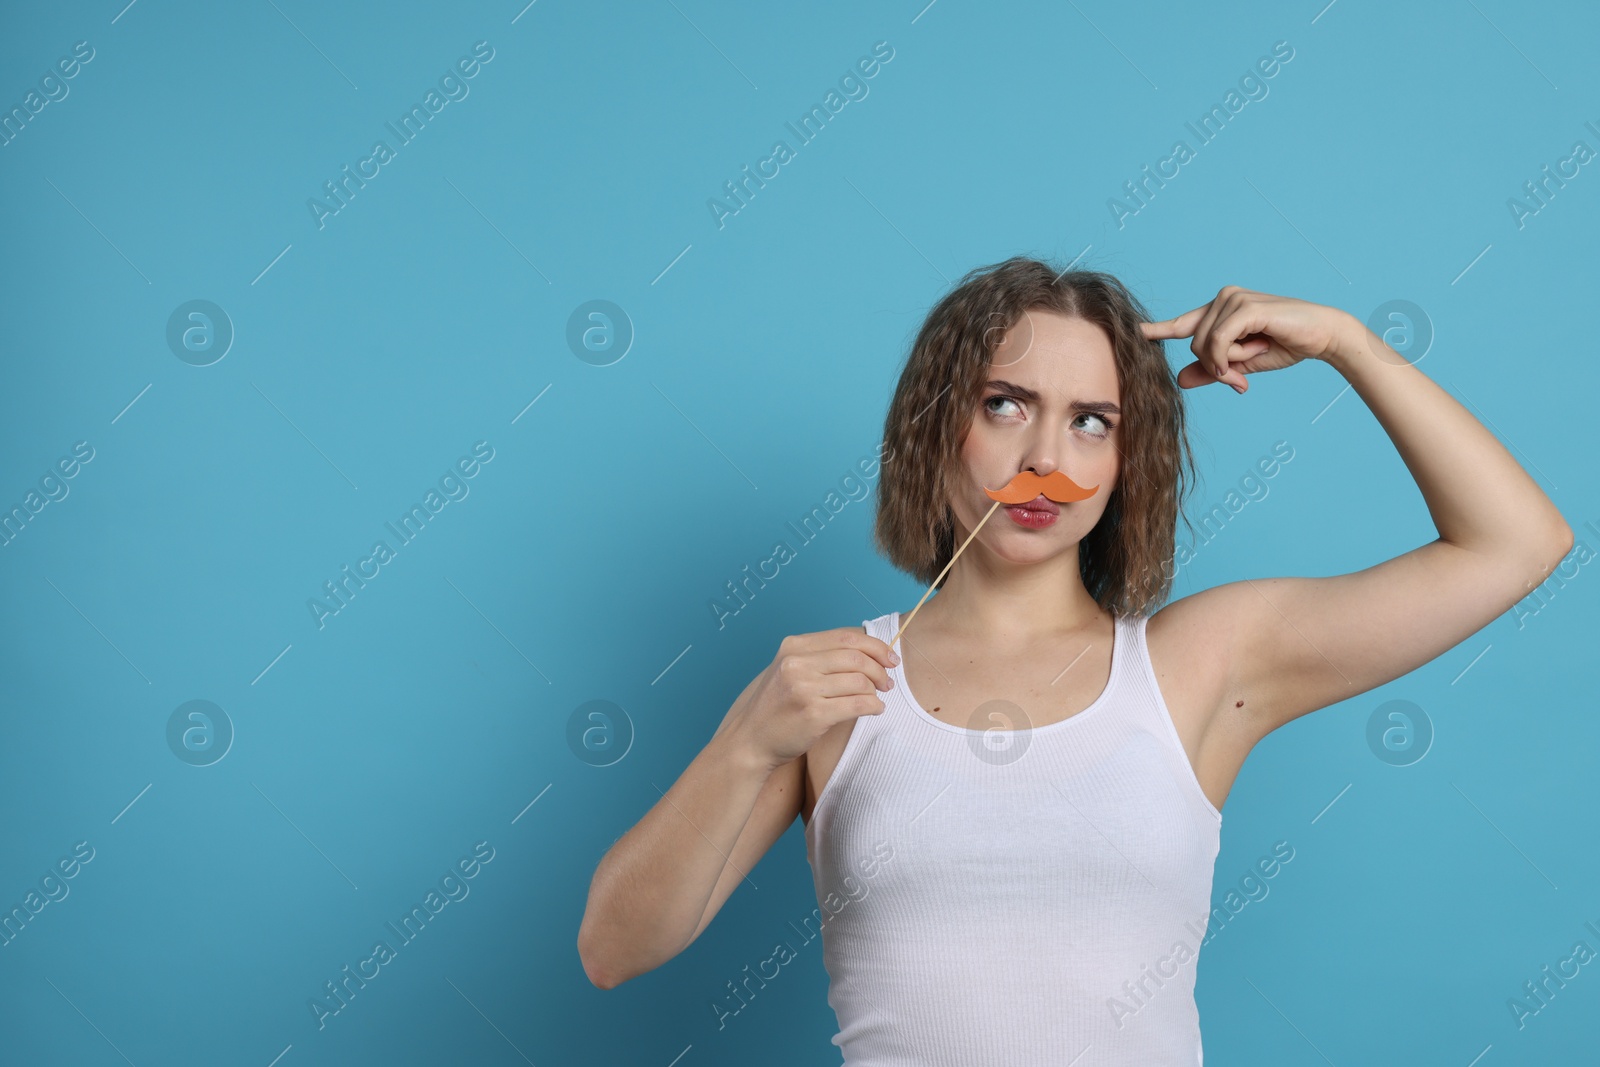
x,y
1043,454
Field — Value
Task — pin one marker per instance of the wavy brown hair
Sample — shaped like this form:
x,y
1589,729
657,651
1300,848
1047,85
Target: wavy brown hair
x,y
1126,560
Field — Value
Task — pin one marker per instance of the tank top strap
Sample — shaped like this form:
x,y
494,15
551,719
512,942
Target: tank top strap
x,y
1150,706
1015,903
1132,700
883,628
898,710
1133,662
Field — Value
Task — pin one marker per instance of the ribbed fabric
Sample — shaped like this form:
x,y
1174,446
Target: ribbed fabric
x,y
1020,898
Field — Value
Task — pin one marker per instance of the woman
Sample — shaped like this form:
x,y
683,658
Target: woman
x,y
1013,843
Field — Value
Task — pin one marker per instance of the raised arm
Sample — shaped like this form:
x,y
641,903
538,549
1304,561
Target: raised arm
x,y
1298,644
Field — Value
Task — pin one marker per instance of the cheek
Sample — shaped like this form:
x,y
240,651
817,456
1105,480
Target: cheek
x,y
1108,457
986,437
972,452
975,449
985,463
1103,469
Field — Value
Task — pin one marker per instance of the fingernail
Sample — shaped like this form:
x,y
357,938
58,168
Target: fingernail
x,y
1237,388
894,657
1221,370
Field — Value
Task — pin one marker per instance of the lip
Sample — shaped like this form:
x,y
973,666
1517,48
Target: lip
x,y
1030,518
1038,503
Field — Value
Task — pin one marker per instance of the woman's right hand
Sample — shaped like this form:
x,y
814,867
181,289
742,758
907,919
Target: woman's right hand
x,y
816,680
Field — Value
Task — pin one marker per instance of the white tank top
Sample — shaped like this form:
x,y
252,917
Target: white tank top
x,y
1015,898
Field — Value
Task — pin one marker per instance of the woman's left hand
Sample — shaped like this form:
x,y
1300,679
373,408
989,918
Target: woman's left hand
x,y
1242,332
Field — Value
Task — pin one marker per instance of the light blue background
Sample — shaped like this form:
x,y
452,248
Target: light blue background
x,y
431,311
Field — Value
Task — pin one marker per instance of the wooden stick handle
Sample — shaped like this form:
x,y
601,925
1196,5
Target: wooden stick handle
x,y
942,573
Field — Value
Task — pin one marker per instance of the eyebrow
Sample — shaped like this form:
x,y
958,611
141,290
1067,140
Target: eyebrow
x,y
1022,392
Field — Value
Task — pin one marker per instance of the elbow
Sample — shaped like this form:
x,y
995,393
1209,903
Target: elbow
x,y
603,967
591,939
1542,547
1542,558
1555,544
1518,567
597,978
1565,539
593,968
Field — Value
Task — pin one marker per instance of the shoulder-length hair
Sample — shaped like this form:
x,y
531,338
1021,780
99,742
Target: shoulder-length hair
x,y
1126,561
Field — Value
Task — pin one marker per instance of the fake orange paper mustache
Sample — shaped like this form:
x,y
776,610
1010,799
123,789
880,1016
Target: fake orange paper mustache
x,y
1023,487
1026,486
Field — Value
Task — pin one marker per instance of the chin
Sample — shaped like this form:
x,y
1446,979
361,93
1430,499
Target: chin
x,y
1035,551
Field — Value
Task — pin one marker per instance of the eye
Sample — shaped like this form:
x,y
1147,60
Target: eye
x,y
988,405
1099,428
1107,424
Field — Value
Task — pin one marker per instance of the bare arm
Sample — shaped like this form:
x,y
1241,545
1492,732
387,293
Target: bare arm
x,y
652,893
1298,644
659,885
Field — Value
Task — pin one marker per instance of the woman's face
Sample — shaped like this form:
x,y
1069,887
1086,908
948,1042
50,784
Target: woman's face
x,y
1051,404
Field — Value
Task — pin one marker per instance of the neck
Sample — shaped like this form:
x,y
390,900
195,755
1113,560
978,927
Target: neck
x,y
987,599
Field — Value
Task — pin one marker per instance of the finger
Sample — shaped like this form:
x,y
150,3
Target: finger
x,y
845,685
838,709
843,637
1241,354
1247,319
1241,316
850,661
1249,347
875,647
1195,375
1203,345
1182,326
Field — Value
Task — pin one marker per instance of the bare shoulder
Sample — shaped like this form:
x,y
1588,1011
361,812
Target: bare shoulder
x,y
820,760
1186,653
1191,642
